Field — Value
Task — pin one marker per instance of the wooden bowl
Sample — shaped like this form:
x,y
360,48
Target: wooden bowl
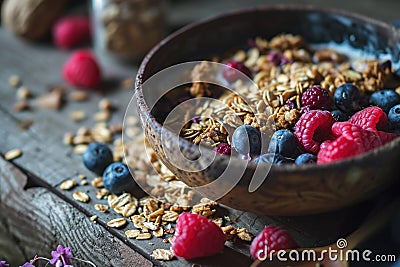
x,y
288,190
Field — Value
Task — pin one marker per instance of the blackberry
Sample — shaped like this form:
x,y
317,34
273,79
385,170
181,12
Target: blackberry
x,y
316,98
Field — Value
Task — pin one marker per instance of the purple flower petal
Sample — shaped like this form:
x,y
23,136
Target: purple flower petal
x,y
60,249
67,253
3,264
28,264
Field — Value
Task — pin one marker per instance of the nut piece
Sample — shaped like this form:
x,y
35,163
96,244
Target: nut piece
x,y
51,100
143,236
78,96
244,234
80,196
78,115
68,184
117,223
105,104
132,233
80,149
23,93
98,182
158,232
129,209
101,207
162,254
170,216
14,80
13,154
101,193
21,105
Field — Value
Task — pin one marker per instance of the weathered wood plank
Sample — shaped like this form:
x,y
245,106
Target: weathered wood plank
x,y
44,155
34,221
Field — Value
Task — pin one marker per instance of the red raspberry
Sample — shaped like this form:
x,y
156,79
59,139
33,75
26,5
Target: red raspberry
x,y
352,140
313,128
82,70
341,148
231,74
371,118
196,236
316,98
71,31
223,149
271,239
386,137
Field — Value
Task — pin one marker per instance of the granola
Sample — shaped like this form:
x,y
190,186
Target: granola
x,y
282,68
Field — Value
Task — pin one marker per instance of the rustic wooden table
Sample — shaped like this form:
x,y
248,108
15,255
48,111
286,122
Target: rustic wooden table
x,y
36,215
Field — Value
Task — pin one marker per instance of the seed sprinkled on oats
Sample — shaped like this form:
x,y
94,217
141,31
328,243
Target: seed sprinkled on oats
x,y
81,196
13,154
68,184
117,223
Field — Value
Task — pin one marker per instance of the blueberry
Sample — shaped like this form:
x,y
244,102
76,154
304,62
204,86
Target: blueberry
x,y
305,158
347,98
273,158
339,115
97,157
283,142
394,119
385,99
246,140
117,178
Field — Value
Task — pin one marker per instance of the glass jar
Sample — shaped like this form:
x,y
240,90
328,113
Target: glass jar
x,y
127,29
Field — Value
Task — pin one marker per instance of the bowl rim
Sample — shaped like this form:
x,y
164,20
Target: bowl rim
x,y
349,162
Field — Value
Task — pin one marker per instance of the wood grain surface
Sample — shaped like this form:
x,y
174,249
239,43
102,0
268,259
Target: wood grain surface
x,y
36,216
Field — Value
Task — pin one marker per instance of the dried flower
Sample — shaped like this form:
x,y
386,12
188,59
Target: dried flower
x,y
28,264
61,256
3,264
